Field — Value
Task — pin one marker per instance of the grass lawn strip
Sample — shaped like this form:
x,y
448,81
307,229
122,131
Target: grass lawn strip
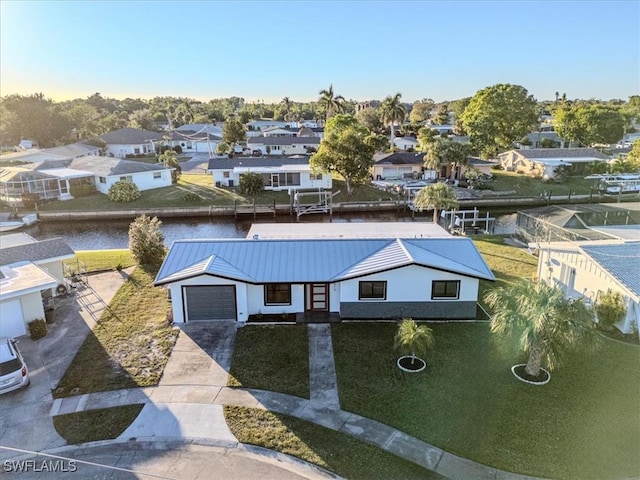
x,y
95,425
130,345
271,358
103,260
335,451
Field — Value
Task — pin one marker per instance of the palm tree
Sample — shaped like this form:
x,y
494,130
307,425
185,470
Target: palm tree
x,y
392,111
330,103
412,339
544,322
437,196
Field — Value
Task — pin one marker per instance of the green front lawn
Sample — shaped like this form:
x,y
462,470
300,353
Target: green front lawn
x,y
534,187
129,346
335,451
95,425
271,358
102,260
583,424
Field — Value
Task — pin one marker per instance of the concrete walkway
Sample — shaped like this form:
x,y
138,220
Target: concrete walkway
x,y
323,384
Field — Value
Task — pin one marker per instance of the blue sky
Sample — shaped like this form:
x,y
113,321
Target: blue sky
x,y
264,50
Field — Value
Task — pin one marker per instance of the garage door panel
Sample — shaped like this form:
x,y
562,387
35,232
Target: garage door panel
x,y
210,302
11,319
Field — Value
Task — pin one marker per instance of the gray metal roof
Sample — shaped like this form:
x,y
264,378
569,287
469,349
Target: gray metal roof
x,y
35,252
106,166
226,163
130,136
621,261
283,141
317,260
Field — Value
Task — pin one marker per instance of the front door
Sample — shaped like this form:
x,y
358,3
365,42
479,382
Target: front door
x,y
318,297
275,180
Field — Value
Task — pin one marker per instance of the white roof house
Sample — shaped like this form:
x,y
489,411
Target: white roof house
x,y
221,279
588,269
545,162
347,230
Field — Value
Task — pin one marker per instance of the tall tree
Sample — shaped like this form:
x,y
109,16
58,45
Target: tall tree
x,y
346,149
442,115
498,116
370,118
436,197
444,151
330,103
421,110
142,119
589,124
542,321
457,108
233,132
391,112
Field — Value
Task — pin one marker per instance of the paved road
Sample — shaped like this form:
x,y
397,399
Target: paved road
x,y
163,461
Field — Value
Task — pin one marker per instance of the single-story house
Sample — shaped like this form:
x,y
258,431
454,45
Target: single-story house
x,y
549,162
131,141
405,143
193,141
64,152
223,279
283,145
483,166
398,165
30,270
54,180
261,125
588,269
280,173
279,132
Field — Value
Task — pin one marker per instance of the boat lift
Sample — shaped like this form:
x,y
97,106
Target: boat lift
x,y
305,202
467,222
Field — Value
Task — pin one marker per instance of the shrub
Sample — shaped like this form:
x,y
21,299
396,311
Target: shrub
x,y
79,191
37,328
610,309
251,184
146,242
124,191
177,149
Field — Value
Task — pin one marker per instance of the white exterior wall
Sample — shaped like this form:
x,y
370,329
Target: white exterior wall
x,y
143,180
305,180
256,301
393,171
120,151
411,284
177,300
32,308
581,277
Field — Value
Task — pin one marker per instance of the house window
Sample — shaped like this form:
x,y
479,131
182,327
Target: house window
x,y
136,151
128,178
157,175
277,294
102,179
316,177
445,289
226,174
372,291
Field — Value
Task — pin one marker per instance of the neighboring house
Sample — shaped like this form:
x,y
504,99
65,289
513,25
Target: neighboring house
x,y
278,173
279,132
209,128
283,145
598,221
435,278
547,163
589,269
398,165
483,166
194,142
303,230
65,152
406,143
538,138
131,141
30,270
261,125
55,180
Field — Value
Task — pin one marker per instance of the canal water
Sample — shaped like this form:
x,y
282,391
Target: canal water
x,y
114,233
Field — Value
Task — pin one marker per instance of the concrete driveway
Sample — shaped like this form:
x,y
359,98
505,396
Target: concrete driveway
x,y
24,413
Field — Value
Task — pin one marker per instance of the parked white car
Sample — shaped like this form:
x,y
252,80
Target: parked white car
x,y
13,371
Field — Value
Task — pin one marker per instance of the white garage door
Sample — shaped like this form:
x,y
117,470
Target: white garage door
x,y
210,302
11,319
395,172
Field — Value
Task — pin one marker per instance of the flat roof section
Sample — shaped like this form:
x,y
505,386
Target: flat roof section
x,y
347,230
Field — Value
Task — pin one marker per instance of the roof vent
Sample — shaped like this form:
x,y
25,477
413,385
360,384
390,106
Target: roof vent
x,y
256,237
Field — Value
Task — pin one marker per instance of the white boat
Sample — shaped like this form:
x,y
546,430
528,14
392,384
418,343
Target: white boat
x,y
29,219
617,184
